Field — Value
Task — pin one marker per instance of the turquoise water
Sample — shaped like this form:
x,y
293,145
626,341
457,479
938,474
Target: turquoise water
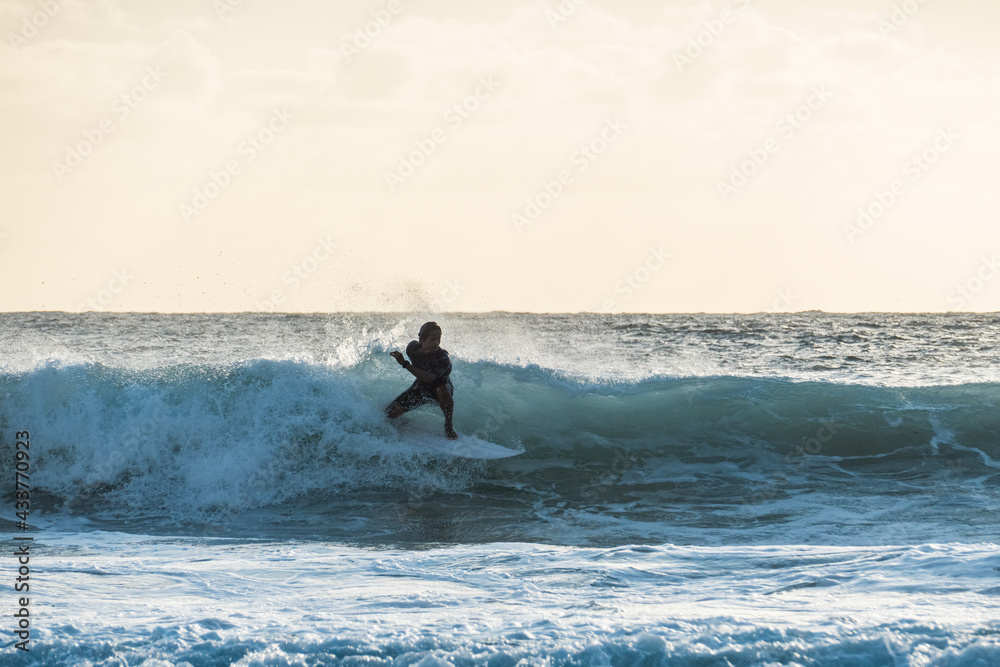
x,y
719,490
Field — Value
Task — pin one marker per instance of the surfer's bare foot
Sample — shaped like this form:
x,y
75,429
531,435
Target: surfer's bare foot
x,y
450,432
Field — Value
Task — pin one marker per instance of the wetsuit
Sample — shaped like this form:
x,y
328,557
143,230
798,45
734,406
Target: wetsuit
x,y
438,363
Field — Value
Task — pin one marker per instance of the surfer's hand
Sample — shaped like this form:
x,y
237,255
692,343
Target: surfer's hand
x,y
398,356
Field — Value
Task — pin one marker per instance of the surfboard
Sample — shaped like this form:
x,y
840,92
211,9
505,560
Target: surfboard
x,y
467,446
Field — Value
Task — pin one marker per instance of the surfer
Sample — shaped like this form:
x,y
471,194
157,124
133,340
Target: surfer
x,y
431,366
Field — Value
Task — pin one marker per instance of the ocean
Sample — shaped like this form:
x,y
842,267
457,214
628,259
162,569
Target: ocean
x,y
712,490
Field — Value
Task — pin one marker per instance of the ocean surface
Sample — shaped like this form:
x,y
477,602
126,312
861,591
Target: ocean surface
x,y
712,490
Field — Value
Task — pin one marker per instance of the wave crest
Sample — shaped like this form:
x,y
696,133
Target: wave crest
x,y
189,438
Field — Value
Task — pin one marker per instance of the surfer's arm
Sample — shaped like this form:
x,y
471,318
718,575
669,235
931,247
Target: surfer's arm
x,y
424,376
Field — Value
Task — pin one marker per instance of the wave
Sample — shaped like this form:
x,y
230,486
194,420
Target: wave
x,y
191,438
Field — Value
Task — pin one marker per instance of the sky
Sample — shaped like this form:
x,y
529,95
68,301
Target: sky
x,y
574,156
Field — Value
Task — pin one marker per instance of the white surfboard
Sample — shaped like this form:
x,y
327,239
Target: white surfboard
x,y
467,446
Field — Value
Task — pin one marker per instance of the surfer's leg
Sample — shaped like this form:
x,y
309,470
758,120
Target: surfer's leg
x,y
443,394
414,396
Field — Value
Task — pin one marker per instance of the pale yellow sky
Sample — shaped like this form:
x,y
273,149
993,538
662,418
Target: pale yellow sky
x,y
307,155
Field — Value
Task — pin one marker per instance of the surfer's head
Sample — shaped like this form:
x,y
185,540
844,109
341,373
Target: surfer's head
x,y
428,328
430,336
